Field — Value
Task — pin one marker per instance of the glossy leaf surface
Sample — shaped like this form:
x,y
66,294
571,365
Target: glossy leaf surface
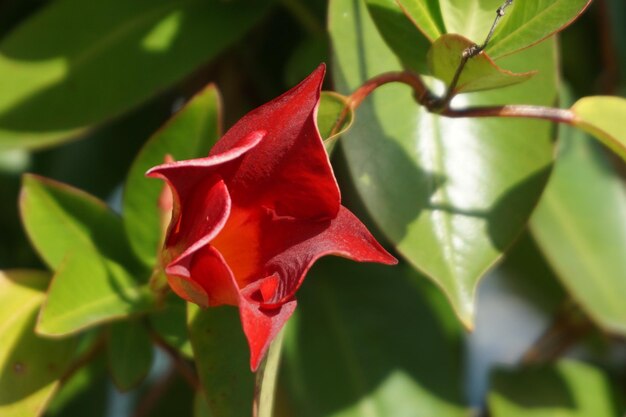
x,y
425,15
603,117
583,240
189,134
525,23
452,195
529,22
30,366
401,34
480,72
356,346
60,76
566,389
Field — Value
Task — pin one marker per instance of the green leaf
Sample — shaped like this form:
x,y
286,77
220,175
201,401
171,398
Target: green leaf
x,y
130,353
97,277
30,366
171,325
120,53
370,340
334,117
189,134
451,195
565,389
580,225
480,72
88,388
529,22
603,117
59,219
402,36
222,360
425,15
471,18
88,290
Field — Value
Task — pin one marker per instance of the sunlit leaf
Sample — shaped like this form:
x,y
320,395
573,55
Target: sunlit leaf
x,y
30,366
603,117
580,225
451,195
425,15
88,290
61,76
479,73
529,22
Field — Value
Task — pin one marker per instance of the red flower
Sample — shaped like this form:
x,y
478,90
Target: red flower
x,y
251,218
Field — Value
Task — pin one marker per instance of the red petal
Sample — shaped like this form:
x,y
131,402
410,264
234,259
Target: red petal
x,y
291,247
289,170
261,326
201,199
203,272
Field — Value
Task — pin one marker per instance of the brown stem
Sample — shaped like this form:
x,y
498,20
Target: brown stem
x,y
157,390
87,357
178,361
421,92
568,327
438,105
516,111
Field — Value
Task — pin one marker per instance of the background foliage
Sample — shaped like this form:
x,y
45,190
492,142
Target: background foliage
x,y
94,93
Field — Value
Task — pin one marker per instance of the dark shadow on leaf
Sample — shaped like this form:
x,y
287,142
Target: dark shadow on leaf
x,y
510,212
110,76
361,330
543,388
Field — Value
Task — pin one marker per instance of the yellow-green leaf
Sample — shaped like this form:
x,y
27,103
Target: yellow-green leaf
x,y
30,365
604,117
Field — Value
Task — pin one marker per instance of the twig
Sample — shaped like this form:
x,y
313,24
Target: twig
x,y
469,53
421,92
180,363
515,111
94,350
157,390
567,328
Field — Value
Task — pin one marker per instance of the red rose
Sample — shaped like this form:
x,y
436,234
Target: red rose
x,y
251,218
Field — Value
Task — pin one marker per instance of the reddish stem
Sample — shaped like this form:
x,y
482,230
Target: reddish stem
x,y
518,111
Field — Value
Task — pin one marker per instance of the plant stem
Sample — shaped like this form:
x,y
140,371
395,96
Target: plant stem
x,y
421,92
179,363
425,97
568,327
469,53
516,111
